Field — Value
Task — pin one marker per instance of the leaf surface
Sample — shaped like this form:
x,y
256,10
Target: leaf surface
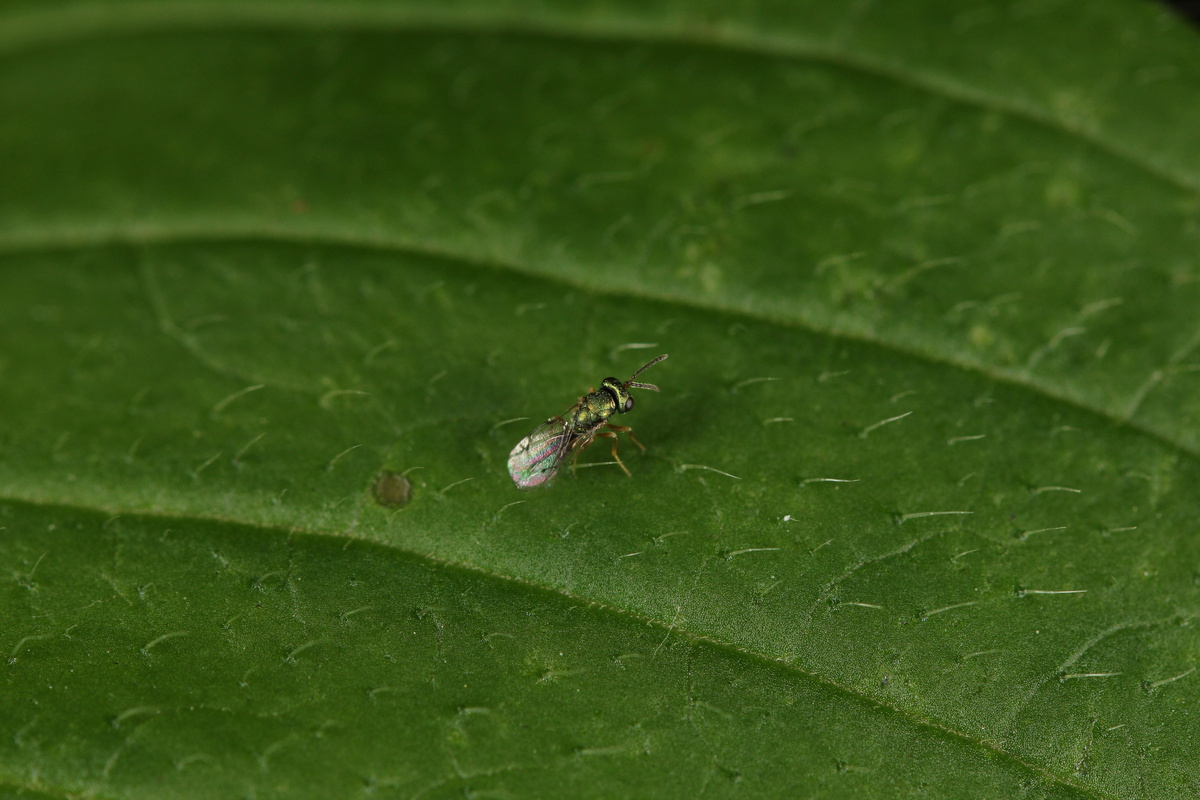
x,y
917,512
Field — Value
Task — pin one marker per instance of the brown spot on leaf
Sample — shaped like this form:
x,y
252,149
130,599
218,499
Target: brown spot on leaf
x,y
392,490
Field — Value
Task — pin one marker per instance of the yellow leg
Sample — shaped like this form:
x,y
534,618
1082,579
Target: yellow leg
x,y
628,430
612,435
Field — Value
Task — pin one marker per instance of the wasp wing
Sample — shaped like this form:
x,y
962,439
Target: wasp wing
x,y
536,458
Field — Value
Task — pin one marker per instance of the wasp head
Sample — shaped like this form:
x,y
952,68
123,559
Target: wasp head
x,y
619,391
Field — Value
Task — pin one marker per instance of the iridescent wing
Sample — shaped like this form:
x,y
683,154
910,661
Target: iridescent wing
x,y
535,460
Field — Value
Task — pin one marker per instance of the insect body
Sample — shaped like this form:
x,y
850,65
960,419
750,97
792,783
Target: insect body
x,y
536,458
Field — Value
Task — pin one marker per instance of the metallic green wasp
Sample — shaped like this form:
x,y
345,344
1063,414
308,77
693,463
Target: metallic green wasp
x,y
536,458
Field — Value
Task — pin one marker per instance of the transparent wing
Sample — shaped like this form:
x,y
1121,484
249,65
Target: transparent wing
x,y
536,458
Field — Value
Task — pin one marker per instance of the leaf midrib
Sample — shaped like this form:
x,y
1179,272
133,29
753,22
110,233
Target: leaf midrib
x,y
31,30
758,659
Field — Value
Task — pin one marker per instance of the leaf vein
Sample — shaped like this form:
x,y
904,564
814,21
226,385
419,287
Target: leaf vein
x,y
763,660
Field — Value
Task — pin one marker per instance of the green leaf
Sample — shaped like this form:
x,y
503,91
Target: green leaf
x,y
286,282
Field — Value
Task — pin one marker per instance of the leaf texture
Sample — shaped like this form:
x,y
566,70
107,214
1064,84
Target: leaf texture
x,y
285,284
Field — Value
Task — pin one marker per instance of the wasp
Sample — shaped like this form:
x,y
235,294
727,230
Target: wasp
x,y
536,459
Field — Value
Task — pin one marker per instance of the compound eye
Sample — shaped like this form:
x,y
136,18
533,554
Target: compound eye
x,y
628,405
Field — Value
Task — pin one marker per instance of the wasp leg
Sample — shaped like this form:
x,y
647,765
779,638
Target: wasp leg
x,y
628,430
575,458
579,446
612,435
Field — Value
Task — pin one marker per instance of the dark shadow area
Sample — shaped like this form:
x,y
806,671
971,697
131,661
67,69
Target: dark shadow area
x,y
1190,9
